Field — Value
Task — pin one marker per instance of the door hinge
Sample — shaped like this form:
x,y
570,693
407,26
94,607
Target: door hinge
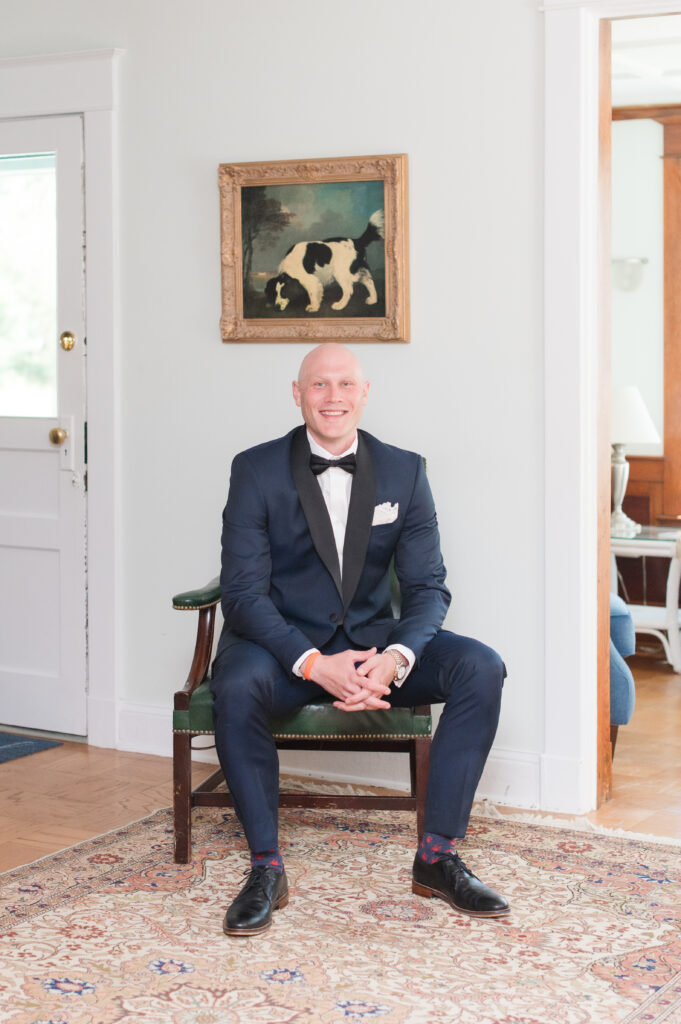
x,y
85,442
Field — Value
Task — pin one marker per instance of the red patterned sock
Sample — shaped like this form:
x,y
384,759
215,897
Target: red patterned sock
x,y
268,859
434,847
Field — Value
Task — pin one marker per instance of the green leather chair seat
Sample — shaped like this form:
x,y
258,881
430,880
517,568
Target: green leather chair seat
x,y
314,721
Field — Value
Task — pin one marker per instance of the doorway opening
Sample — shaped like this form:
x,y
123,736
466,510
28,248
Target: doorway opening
x,y
645,357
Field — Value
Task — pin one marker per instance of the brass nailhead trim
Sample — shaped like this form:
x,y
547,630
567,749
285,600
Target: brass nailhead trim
x,y
194,607
324,736
194,732
346,736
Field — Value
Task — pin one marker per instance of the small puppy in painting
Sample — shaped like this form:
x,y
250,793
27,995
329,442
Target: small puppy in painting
x,y
309,266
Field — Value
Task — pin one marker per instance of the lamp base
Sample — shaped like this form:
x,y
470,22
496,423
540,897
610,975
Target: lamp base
x,y
620,523
622,526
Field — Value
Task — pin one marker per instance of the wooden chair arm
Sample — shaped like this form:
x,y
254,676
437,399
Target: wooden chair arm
x,y
203,648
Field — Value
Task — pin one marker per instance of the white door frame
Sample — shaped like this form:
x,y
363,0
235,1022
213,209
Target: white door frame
x,y
85,83
571,276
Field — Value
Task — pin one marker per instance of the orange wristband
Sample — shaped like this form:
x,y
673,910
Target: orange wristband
x,y
307,667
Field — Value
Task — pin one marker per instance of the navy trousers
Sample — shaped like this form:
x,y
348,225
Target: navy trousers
x,y
249,685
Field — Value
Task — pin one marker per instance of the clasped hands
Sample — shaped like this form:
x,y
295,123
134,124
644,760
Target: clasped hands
x,y
360,680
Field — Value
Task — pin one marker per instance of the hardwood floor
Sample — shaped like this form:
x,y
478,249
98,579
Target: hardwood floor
x,y
646,793
646,777
61,796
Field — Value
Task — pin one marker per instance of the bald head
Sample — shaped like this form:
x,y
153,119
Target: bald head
x,y
331,392
330,356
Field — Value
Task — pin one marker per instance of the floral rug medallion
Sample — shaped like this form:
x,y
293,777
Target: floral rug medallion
x,y
112,930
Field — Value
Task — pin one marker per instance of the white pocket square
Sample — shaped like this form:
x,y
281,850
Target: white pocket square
x,y
385,513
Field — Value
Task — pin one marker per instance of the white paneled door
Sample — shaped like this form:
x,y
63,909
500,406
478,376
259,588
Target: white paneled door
x,y
43,672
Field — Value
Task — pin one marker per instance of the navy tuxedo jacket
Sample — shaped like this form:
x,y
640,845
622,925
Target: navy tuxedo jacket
x,y
281,583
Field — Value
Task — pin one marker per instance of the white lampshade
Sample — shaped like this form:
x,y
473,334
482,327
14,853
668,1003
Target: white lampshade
x,y
630,421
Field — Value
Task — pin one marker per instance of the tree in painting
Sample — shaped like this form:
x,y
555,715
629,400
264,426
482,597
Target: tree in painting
x,y
260,215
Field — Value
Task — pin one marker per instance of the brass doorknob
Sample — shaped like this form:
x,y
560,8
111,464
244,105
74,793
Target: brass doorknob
x,y
58,435
67,340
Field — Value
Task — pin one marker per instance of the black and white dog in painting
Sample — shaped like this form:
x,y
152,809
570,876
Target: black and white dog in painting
x,y
309,266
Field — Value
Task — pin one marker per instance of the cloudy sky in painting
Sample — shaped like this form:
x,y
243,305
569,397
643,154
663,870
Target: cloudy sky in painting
x,y
327,210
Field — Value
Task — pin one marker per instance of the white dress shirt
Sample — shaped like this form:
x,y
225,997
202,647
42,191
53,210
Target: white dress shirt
x,y
336,487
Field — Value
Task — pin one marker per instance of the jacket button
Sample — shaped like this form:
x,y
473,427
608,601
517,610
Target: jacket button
x,y
333,617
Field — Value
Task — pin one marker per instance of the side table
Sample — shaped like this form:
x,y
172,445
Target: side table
x,y
663,623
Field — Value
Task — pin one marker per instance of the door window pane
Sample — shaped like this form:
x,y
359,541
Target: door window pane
x,y
28,285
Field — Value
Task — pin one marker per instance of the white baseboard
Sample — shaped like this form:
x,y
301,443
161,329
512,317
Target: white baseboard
x,y
101,722
511,777
566,785
145,729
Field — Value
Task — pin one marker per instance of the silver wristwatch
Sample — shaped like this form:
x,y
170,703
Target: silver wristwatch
x,y
400,665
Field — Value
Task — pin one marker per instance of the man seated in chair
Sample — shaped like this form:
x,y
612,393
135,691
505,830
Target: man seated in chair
x,y
311,524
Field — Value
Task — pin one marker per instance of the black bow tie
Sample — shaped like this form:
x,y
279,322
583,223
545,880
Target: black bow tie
x,y
318,464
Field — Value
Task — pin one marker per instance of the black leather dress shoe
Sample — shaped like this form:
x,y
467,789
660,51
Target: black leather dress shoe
x,y
251,913
450,880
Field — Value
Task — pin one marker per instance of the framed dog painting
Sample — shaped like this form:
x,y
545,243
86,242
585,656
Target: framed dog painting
x,y
315,250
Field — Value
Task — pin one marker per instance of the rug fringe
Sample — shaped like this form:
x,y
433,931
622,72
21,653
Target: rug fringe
x,y
579,823
484,808
298,784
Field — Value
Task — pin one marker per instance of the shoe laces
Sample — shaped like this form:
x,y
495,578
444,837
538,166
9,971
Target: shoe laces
x,y
255,877
459,865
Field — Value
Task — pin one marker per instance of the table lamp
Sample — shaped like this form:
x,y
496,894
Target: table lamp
x,y
630,423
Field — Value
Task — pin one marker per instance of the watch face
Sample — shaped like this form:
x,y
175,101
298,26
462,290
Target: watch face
x,y
400,671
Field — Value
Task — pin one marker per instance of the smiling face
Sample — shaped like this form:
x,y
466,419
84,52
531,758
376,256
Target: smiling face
x,y
331,393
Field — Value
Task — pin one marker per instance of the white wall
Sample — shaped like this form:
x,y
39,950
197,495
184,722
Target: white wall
x,y
458,87
637,231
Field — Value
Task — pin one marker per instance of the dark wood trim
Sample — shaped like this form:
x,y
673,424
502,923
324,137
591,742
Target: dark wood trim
x,y
604,749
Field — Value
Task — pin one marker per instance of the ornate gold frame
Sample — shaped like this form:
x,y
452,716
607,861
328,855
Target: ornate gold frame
x,y
392,170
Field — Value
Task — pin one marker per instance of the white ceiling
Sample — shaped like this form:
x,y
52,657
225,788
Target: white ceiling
x,y
646,60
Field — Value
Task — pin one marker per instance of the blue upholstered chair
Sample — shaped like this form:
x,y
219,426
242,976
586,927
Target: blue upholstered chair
x,y
622,645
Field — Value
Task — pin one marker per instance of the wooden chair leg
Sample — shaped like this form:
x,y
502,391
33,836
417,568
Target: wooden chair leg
x,y
182,796
420,763
614,729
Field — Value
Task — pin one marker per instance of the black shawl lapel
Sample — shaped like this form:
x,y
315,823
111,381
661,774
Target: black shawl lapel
x,y
314,506
360,518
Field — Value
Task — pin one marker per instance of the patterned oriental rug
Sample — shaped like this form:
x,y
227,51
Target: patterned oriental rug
x,y
112,930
